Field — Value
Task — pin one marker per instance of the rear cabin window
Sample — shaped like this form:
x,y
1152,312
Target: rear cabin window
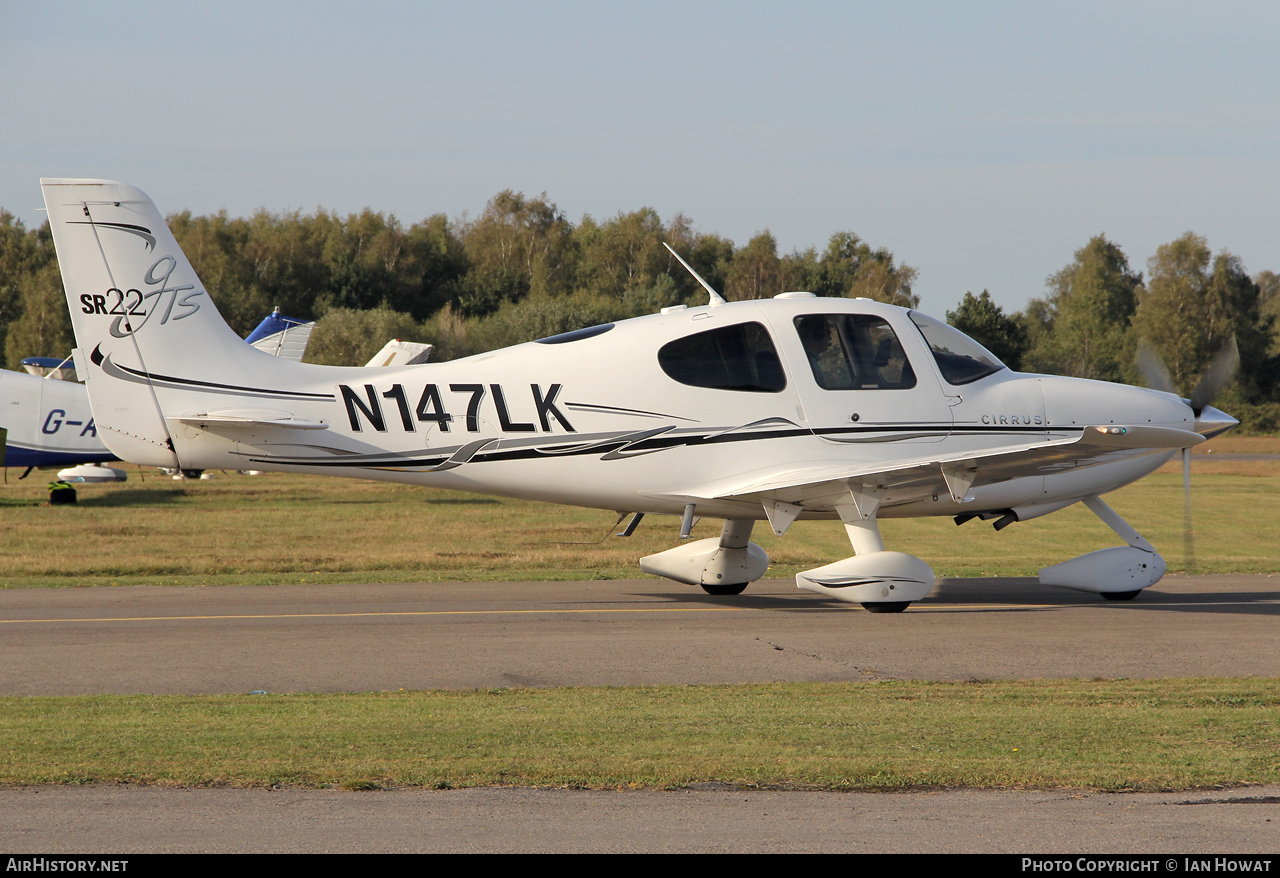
x,y
854,352
739,357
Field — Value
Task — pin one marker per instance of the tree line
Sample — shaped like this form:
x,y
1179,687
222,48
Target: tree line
x,y
522,270
1097,310
518,271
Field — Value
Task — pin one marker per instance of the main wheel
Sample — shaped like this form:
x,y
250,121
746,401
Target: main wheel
x,y
1121,595
886,606
725,587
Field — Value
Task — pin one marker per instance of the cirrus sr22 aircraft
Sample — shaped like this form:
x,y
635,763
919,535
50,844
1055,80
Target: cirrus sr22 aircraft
x,y
774,410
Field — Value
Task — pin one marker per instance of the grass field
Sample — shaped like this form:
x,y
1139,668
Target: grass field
x,y
1116,735
273,529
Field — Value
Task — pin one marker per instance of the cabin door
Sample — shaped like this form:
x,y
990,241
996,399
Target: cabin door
x,y
864,381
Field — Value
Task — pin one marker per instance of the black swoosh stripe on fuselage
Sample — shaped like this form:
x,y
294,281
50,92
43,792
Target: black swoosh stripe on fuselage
x,y
658,443
138,376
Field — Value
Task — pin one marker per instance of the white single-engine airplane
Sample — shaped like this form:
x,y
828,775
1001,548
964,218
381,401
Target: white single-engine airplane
x,y
793,407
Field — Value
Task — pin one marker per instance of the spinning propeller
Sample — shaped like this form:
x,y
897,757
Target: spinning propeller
x,y
1209,421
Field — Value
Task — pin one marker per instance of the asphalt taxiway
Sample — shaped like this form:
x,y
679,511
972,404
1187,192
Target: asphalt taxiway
x,y
468,635
345,638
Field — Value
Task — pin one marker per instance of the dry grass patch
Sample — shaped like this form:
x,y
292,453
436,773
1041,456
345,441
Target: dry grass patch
x,y
276,529
1230,443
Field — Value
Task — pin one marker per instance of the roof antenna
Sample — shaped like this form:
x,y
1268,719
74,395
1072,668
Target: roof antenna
x,y
716,298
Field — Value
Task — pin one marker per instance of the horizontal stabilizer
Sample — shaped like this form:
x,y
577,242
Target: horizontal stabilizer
x,y
402,353
220,422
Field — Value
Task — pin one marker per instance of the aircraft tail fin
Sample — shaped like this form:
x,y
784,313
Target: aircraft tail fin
x,y
282,336
143,320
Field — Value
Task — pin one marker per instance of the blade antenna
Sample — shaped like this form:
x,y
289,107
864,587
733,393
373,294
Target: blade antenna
x,y
595,542
716,298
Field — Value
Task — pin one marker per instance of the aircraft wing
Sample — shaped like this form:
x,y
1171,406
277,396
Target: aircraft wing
x,y
953,473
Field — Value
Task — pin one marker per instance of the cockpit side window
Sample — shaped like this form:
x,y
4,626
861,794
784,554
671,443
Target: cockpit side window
x,y
738,357
961,360
854,352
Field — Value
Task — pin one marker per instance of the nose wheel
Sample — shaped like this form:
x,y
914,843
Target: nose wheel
x,y
1113,572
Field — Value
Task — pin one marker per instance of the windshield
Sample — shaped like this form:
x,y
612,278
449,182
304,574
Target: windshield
x,y
961,360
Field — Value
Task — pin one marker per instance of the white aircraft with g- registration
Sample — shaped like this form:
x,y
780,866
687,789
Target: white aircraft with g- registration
x,y
774,410
46,417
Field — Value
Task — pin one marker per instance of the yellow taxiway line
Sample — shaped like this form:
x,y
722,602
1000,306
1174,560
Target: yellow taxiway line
x,y
548,612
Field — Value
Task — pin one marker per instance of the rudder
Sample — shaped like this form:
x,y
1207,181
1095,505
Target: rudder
x,y
138,310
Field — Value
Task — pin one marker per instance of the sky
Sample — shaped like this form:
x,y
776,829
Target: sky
x,y
981,143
